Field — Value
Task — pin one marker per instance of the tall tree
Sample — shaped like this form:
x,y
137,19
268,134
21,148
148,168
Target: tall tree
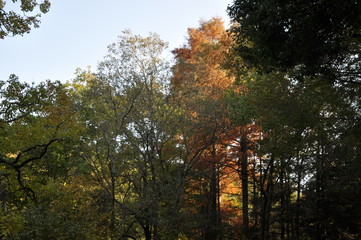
x,y
140,142
198,73
201,72
307,57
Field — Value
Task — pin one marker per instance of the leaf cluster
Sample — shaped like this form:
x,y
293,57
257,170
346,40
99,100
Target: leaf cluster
x,y
274,34
14,23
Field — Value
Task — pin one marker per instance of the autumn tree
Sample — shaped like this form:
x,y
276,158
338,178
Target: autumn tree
x,y
203,72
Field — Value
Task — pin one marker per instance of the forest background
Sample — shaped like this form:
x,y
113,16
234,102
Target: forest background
x,y
250,132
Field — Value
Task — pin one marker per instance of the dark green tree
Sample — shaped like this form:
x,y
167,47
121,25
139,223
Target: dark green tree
x,y
306,97
313,36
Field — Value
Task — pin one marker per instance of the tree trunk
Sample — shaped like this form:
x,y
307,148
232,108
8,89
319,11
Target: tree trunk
x,y
147,232
255,193
155,232
267,204
112,203
282,200
244,177
296,231
211,231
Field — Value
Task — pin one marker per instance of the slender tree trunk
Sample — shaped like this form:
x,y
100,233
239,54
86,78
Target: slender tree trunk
x,y
212,229
213,205
288,207
112,217
244,178
147,232
319,190
255,193
112,203
267,194
155,232
296,231
282,200
218,209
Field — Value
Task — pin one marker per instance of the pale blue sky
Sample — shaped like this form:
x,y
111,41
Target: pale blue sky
x,y
76,33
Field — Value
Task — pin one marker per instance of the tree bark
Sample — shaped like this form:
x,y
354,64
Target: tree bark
x,y
147,232
212,229
282,200
267,203
244,178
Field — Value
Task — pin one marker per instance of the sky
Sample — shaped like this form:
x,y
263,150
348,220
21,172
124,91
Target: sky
x,y
76,33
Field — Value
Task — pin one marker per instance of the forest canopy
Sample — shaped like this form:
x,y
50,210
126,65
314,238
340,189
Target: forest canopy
x,y
250,132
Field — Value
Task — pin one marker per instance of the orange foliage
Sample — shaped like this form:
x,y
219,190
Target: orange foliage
x,y
200,73
199,63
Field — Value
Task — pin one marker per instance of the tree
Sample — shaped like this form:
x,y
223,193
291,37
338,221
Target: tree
x,y
202,71
306,59
39,132
301,123
103,112
199,62
312,35
13,23
139,142
33,118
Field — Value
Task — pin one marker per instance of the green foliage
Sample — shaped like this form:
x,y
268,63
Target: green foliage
x,y
132,152
11,225
13,23
307,124
34,120
305,96
283,34
133,126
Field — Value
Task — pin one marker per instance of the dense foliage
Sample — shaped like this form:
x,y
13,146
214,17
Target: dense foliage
x,y
251,133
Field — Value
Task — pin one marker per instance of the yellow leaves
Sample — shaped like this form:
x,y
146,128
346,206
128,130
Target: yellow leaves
x,y
11,155
83,79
